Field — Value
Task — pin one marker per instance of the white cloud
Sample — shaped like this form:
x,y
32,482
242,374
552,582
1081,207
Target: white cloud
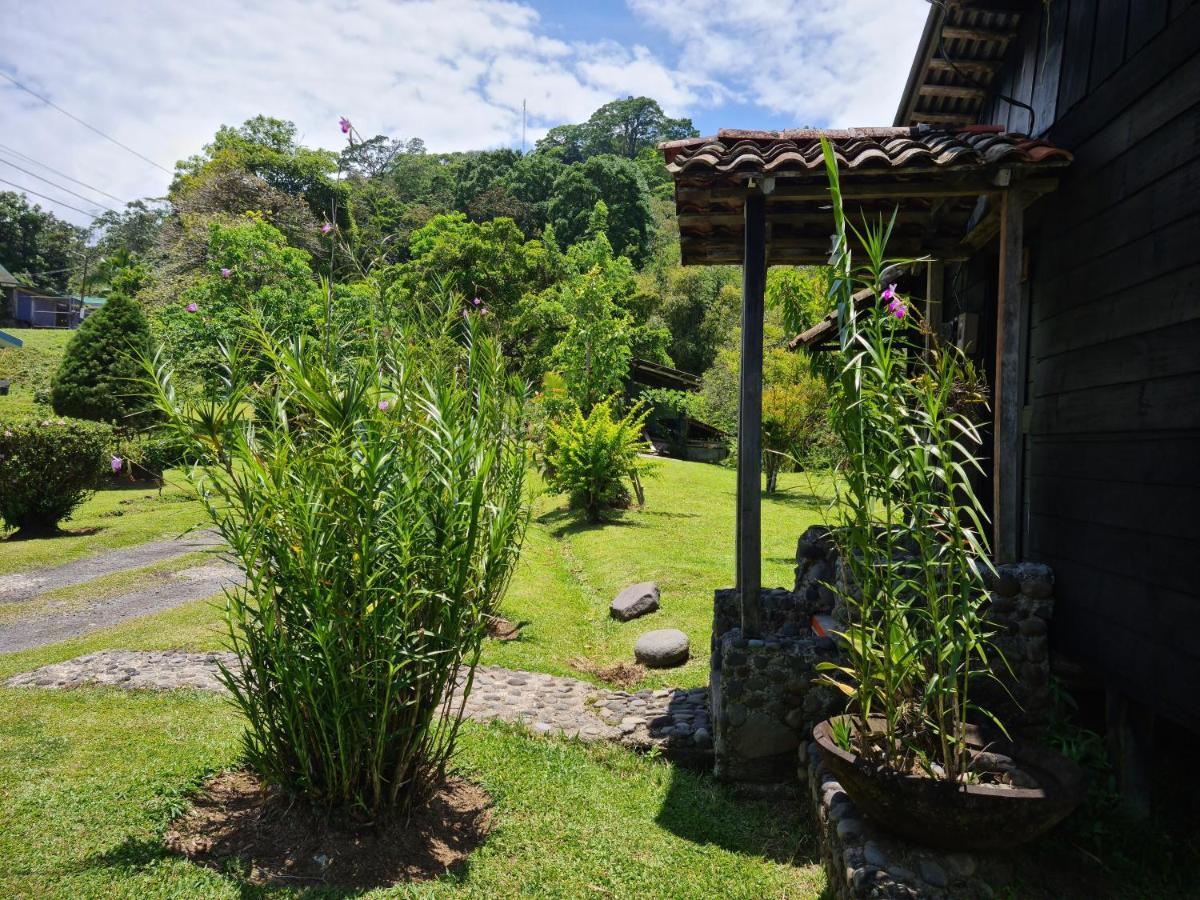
x,y
161,77
822,62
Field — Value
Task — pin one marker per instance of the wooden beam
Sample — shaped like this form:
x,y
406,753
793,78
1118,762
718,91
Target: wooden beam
x,y
749,471
971,33
1009,387
953,90
928,118
980,68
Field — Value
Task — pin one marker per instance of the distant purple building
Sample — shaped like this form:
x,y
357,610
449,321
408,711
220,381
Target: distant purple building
x,y
30,306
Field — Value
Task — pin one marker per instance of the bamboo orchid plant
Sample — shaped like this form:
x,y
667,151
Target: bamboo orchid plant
x,y
911,530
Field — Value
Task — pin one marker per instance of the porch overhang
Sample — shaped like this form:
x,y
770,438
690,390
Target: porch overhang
x,y
932,178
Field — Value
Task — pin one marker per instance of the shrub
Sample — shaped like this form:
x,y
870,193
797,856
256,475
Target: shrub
x,y
590,457
99,373
377,508
47,469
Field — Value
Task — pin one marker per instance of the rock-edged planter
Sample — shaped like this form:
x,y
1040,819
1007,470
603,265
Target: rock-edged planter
x,y
664,648
960,817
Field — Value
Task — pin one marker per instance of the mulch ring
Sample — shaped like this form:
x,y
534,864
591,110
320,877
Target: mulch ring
x,y
624,675
235,824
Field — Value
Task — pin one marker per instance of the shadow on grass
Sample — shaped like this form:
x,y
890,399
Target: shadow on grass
x,y
700,809
23,534
805,499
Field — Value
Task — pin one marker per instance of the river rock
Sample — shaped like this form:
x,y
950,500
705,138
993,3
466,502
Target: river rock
x,y
662,649
635,600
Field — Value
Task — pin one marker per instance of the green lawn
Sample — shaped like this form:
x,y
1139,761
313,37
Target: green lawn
x,y
119,517
30,369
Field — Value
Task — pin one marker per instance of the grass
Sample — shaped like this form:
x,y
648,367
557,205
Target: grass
x,y
683,539
30,369
90,778
114,518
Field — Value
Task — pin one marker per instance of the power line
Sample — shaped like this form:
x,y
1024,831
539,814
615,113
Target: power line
x,y
76,118
60,187
37,162
51,199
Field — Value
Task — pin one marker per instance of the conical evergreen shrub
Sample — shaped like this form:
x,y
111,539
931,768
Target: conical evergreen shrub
x,y
99,374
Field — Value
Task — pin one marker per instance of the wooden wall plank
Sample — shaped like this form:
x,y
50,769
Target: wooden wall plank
x,y
1169,299
1077,54
1168,510
1052,27
1147,18
1108,50
1150,460
1141,357
1164,404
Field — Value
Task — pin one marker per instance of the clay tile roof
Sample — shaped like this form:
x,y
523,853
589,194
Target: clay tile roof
x,y
735,153
930,177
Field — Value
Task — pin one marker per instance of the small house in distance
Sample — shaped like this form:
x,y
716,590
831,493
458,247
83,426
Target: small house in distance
x,y
679,434
34,308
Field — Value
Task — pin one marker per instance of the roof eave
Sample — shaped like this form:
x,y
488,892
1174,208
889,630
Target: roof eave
x,y
916,75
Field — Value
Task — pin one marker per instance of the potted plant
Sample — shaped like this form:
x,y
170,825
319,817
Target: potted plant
x,y
912,751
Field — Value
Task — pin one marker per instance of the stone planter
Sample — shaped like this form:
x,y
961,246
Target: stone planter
x,y
960,817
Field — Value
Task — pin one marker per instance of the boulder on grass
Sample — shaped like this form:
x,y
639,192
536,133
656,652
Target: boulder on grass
x,y
635,600
662,649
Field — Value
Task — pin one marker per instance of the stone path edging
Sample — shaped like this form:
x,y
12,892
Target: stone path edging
x,y
673,720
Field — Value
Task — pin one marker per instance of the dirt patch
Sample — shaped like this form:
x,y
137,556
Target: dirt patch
x,y
499,629
623,674
235,822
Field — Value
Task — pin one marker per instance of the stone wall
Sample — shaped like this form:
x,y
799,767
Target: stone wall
x,y
765,700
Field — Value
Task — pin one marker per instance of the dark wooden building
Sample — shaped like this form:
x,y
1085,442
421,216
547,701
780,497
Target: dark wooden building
x,y
1109,449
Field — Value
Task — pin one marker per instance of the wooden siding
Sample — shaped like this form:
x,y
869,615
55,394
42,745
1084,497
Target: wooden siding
x,y
1112,448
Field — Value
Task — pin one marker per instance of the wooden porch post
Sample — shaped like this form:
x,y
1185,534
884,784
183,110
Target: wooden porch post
x,y
749,474
934,284
1009,388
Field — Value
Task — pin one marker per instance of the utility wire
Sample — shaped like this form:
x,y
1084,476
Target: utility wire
x,y
60,187
76,118
4,148
51,199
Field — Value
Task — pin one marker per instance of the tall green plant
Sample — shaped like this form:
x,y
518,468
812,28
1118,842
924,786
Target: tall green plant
x,y
376,507
911,537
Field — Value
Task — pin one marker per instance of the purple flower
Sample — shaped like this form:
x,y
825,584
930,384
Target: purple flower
x,y
117,463
344,124
890,292
225,273
464,314
326,228
384,406
897,308
483,311
477,301
192,307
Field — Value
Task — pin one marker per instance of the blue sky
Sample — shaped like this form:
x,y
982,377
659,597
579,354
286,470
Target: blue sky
x,y
162,77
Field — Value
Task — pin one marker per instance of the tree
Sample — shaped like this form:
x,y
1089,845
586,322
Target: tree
x,y
622,128
36,245
616,181
593,356
489,260
134,231
249,272
800,294
97,378
700,306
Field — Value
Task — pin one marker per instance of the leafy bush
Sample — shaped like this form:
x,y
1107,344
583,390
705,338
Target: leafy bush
x,y
47,469
373,492
590,457
148,454
98,377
